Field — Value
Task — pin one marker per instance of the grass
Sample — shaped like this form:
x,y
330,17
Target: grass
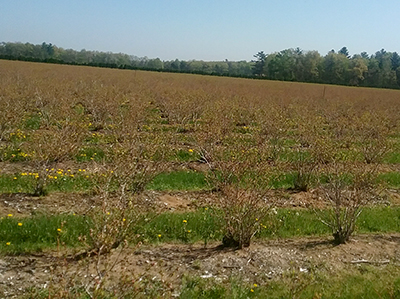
x,y
380,219
392,158
179,180
184,180
23,235
87,154
392,179
55,181
364,282
203,225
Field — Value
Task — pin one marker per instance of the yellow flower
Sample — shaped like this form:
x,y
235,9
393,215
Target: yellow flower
x,y
190,151
8,243
19,224
252,290
10,215
189,231
159,236
184,221
59,229
124,219
255,285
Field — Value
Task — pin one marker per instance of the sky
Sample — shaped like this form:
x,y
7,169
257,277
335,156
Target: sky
x,y
208,30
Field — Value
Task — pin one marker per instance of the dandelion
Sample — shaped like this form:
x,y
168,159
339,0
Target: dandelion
x,y
8,243
190,151
15,178
255,285
19,224
252,290
159,236
59,230
184,221
189,231
10,215
124,219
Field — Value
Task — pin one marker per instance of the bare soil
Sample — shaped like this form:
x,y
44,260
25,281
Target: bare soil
x,y
22,205
167,264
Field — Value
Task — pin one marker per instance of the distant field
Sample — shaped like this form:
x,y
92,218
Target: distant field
x,y
118,148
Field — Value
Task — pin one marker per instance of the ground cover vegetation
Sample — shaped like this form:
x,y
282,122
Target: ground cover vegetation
x,y
381,69
99,167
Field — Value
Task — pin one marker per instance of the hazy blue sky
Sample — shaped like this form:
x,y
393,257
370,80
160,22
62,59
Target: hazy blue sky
x,y
204,30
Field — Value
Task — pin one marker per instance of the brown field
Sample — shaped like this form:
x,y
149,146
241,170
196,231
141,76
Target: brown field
x,y
123,128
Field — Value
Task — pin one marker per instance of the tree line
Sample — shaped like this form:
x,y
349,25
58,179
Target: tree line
x,y
381,69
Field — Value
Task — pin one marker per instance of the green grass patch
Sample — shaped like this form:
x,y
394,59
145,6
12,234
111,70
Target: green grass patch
x,y
283,181
201,225
288,223
39,232
365,282
32,122
12,153
186,155
54,181
87,154
21,235
379,219
392,158
179,180
392,179
204,225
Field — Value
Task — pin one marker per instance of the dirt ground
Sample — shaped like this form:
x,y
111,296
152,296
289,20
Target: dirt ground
x,y
23,205
167,264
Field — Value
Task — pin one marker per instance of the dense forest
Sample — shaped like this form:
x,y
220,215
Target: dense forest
x,y
381,69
